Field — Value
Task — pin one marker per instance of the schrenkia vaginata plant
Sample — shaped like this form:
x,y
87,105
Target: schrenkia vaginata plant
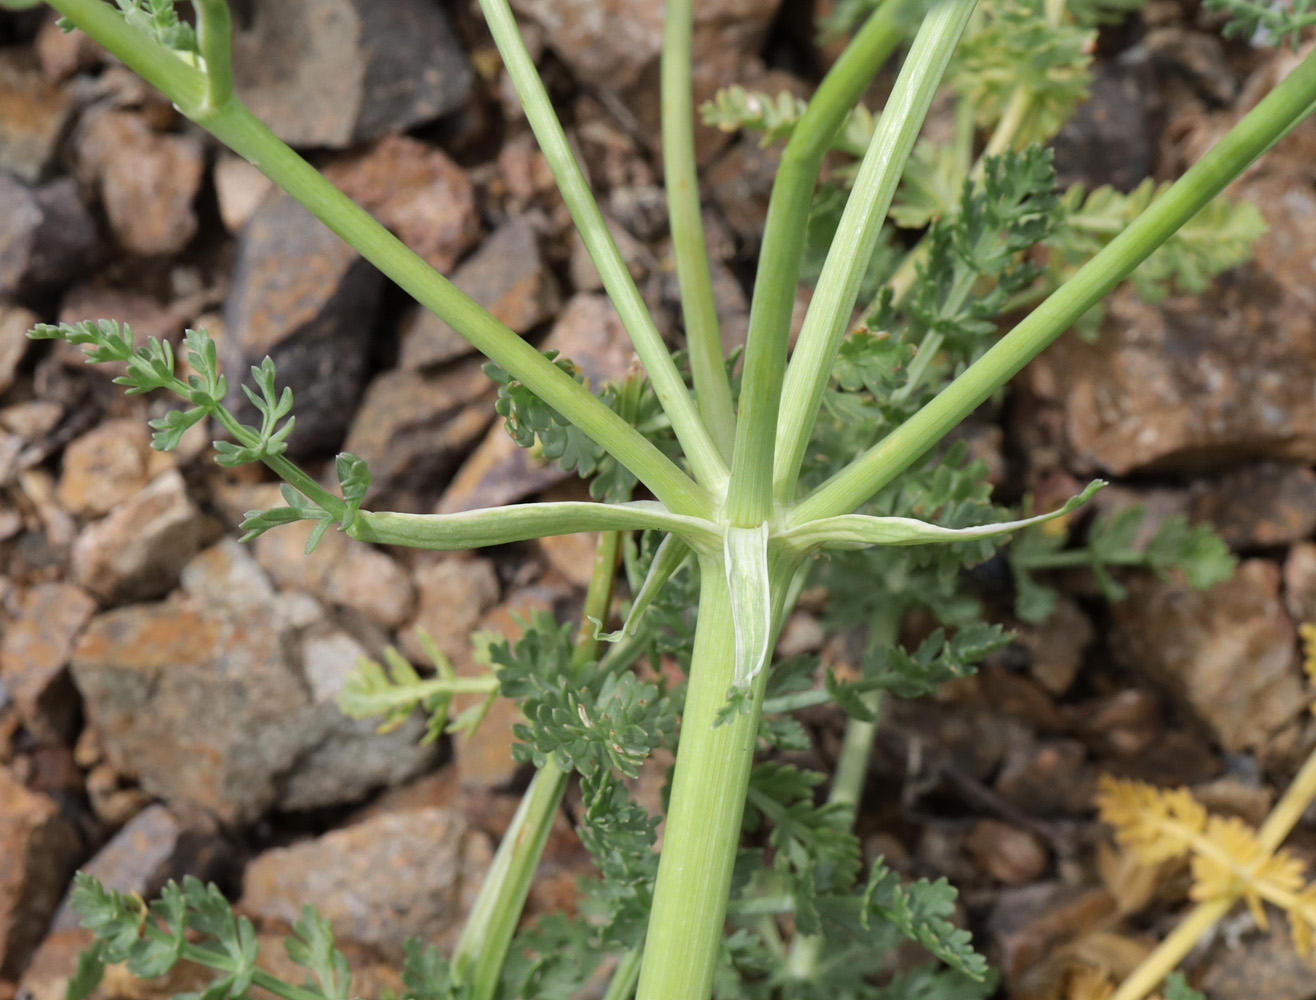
x,y
804,463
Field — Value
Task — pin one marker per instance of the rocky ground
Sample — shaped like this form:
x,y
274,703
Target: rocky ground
x,y
167,694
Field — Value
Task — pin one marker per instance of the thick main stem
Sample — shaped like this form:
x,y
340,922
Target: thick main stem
x,y
703,828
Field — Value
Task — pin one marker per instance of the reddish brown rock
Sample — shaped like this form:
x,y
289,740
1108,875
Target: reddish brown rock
x,y
415,190
507,276
336,72
38,851
35,651
414,428
453,594
15,321
56,961
1007,853
152,848
1300,582
305,298
1259,505
498,472
379,882
139,549
1199,382
1227,653
340,571
33,116
147,180
105,467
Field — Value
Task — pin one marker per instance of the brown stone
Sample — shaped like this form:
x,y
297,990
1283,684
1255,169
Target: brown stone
x,y
336,72
306,299
1007,853
415,190
56,961
38,851
498,472
1228,653
239,188
413,428
453,595
47,236
1057,645
105,467
1259,505
507,276
340,571
33,116
147,180
35,651
379,882
1300,582
139,549
15,322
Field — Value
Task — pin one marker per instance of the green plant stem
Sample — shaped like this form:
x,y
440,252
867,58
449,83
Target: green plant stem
x,y
214,30
856,236
700,450
519,522
482,948
681,179
749,501
707,805
1275,115
235,126
622,984
848,779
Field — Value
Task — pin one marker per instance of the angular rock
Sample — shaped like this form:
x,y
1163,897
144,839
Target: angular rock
x,y
154,847
616,44
1007,853
63,53
1109,140
1259,505
340,571
426,199
379,882
1300,582
590,333
740,183
305,298
1199,382
15,321
413,429
147,180
35,651
56,961
1057,645
138,550
47,236
453,595
239,696
239,189
349,758
507,276
337,72
105,467
498,472
38,851
33,117
1227,653
1262,967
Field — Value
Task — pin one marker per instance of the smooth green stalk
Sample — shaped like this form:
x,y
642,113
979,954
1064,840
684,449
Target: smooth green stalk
x,y
681,179
482,948
473,529
848,779
750,499
826,322
622,984
699,448
707,805
1251,137
237,128
214,31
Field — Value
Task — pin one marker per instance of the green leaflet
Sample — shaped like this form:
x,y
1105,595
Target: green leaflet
x,y
745,558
